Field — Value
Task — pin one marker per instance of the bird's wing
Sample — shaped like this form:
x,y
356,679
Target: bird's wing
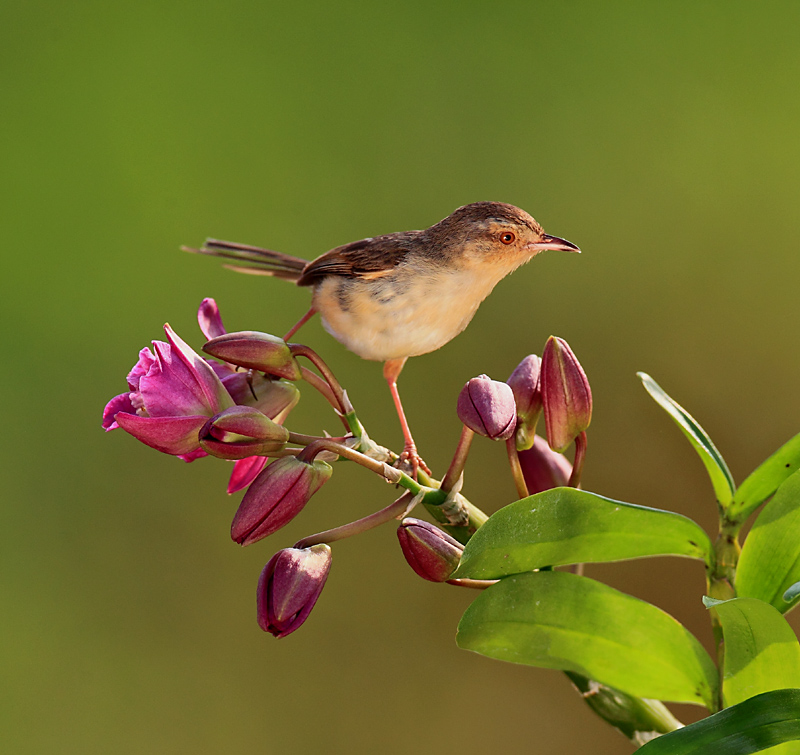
x,y
368,258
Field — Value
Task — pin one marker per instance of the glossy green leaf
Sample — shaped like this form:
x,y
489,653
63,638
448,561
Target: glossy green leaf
x,y
761,650
770,561
559,620
716,467
569,526
765,480
752,726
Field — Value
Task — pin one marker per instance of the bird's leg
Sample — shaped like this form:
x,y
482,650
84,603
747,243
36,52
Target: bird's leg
x,y
391,371
299,324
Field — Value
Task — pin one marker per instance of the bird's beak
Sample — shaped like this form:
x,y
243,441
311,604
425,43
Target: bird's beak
x,y
555,243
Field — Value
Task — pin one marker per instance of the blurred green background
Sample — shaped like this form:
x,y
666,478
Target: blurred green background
x,y
661,138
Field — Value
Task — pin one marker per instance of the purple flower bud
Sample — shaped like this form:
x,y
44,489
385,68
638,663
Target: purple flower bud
x,y
543,468
487,407
242,431
524,382
277,496
566,395
430,552
258,351
289,587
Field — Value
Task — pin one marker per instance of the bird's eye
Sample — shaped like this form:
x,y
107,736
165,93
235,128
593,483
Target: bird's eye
x,y
508,238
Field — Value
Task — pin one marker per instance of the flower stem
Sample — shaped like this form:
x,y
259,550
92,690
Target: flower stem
x,y
577,464
315,381
459,459
298,350
392,511
516,469
379,467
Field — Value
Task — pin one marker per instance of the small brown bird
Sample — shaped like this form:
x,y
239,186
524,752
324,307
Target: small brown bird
x,y
396,296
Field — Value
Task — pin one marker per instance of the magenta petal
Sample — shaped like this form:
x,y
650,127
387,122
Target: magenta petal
x,y
170,435
245,471
193,456
169,389
215,393
121,403
141,368
210,320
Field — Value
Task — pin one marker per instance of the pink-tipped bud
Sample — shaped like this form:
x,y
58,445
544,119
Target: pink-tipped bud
x,y
566,395
277,496
487,407
430,552
289,587
257,351
543,468
524,383
242,431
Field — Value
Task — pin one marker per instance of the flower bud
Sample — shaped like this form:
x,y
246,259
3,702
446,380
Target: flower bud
x,y
277,496
543,468
289,587
487,407
242,431
258,351
566,395
524,383
430,552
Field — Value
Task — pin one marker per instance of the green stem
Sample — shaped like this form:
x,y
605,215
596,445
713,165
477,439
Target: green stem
x,y
639,719
433,503
389,473
721,580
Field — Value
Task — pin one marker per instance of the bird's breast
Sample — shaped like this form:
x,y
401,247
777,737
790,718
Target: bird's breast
x,y
401,314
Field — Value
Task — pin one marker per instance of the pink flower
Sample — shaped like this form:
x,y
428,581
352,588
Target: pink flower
x,y
173,392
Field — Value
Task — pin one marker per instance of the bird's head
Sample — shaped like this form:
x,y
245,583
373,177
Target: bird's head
x,y
492,233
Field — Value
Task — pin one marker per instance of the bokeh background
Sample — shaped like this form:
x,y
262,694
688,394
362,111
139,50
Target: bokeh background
x,y
661,138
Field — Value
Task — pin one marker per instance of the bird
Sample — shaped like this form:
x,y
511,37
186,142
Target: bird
x,y
399,295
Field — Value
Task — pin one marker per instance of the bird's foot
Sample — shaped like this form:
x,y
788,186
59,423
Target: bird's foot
x,y
411,462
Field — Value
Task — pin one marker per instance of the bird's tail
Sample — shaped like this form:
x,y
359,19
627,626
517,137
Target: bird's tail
x,y
256,261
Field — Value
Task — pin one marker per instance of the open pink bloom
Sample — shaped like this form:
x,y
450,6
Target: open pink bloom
x,y
173,392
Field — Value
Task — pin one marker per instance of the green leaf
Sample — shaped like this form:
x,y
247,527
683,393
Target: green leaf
x,y
765,480
770,561
718,471
752,726
558,620
569,526
761,650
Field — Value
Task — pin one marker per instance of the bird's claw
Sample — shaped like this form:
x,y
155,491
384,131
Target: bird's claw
x,y
411,462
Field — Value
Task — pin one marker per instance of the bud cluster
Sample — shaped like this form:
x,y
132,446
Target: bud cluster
x,y
234,406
